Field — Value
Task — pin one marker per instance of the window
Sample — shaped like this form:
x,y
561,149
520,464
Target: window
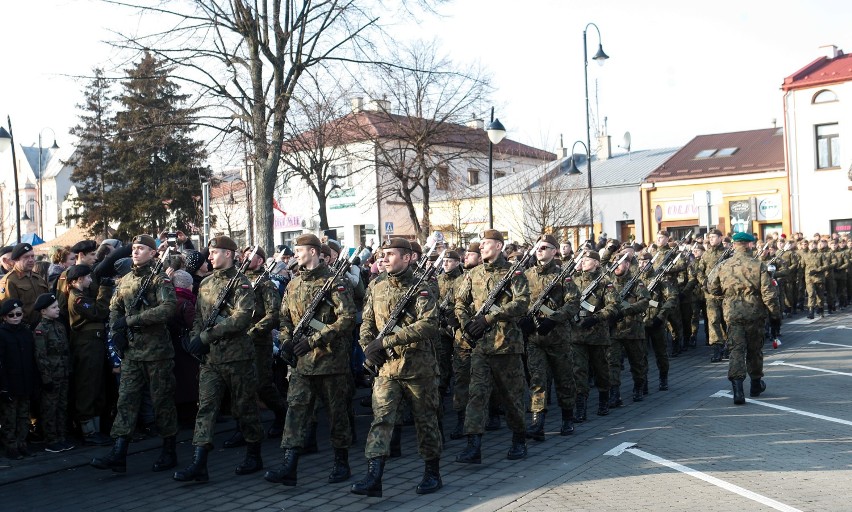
x,y
443,178
726,151
827,146
499,174
705,153
824,96
473,176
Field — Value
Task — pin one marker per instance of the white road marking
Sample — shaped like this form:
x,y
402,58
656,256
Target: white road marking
x,y
727,394
831,344
769,502
802,321
782,363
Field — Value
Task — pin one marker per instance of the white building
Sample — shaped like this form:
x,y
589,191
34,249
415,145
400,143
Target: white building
x,y
817,121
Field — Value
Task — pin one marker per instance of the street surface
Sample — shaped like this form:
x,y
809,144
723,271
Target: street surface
x,y
686,448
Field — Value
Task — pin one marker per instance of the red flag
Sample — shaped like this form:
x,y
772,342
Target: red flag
x,y
276,207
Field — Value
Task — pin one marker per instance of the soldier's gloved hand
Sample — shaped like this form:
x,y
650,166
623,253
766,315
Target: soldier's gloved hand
x,y
375,353
120,324
302,347
656,322
619,316
546,325
47,386
197,347
119,340
589,321
525,323
453,321
476,327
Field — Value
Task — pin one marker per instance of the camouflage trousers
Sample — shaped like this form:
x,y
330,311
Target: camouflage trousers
x,y
266,390
461,372
699,312
214,380
816,293
505,374
15,418
88,357
388,394
842,296
831,290
659,346
715,320
634,350
674,322
546,360
54,410
791,294
686,313
303,394
596,356
158,377
444,354
746,344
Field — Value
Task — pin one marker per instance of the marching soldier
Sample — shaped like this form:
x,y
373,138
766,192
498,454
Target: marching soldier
x,y
227,353
448,284
715,319
323,362
662,303
628,335
461,349
496,359
412,372
674,319
140,332
841,264
816,265
792,261
749,295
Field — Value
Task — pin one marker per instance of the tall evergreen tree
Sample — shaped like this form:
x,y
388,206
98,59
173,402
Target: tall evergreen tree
x,y
161,164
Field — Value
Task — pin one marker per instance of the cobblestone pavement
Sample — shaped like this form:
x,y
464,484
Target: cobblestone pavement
x,y
793,458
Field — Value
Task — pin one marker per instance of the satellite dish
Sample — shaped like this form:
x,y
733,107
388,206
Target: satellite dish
x,y
625,144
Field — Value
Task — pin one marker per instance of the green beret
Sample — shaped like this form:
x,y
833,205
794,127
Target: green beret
x,y
492,234
146,240
334,245
473,247
593,254
326,250
415,247
397,243
549,239
451,255
223,242
260,252
309,239
743,237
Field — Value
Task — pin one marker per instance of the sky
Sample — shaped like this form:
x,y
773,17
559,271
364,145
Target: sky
x,y
676,69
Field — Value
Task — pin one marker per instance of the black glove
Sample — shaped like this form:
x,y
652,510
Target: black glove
x,y
526,324
196,347
302,347
589,322
119,340
287,347
775,323
47,386
656,322
107,281
619,316
476,328
453,321
375,353
545,325
120,324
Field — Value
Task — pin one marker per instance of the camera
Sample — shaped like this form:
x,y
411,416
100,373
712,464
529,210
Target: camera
x,y
171,239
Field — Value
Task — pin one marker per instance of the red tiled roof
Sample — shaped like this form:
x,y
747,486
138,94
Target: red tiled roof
x,y
822,71
757,151
367,125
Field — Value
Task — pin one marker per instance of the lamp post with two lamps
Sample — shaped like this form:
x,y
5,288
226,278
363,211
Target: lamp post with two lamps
x,y
7,139
496,132
599,57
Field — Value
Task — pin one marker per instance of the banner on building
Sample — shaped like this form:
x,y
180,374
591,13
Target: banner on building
x,y
741,215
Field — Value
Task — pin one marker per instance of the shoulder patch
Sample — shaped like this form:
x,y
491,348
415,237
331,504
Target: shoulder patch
x,y
568,279
79,300
518,272
609,285
39,332
167,280
424,293
340,287
640,283
245,286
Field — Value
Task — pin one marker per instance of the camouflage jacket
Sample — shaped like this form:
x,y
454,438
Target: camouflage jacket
x,y
88,313
706,263
418,327
791,260
677,268
632,326
816,265
228,338
562,304
505,336
831,262
662,301
606,305
782,271
147,330
267,303
51,350
26,287
330,343
448,285
748,289
842,263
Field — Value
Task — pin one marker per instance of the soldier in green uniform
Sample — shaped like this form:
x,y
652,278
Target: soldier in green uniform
x,y
461,349
662,303
830,282
227,352
628,334
413,372
448,284
54,365
715,319
140,333
496,361
749,295
816,265
549,344
792,261
22,283
847,247
841,264
322,370
674,318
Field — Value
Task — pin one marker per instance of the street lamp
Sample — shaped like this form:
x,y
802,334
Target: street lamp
x,y
600,57
496,132
40,172
233,201
574,171
7,139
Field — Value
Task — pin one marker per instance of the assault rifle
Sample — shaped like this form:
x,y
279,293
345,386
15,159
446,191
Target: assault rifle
x,y
760,252
490,301
567,272
779,253
267,270
307,323
627,291
423,261
226,291
725,255
652,286
146,282
590,290
391,326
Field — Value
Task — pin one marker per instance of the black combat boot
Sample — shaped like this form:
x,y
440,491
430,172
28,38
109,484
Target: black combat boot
x,y
567,427
431,477
637,392
664,381
253,462
580,409
168,456
371,485
519,447
757,387
340,472
277,428
472,454
236,440
396,441
458,432
821,312
615,397
739,394
117,457
536,428
285,473
603,403
196,471
310,440
717,353
811,313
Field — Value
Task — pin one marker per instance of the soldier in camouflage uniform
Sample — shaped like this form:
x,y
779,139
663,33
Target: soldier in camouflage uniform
x,y
227,353
749,295
266,305
815,264
715,319
792,261
461,349
662,303
448,284
845,244
841,264
628,335
674,319
54,365
140,333
412,372
322,370
496,358
548,335
830,282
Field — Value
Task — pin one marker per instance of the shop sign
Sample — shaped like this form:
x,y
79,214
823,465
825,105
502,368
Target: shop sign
x,y
769,207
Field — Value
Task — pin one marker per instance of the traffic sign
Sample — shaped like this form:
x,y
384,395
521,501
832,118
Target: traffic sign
x,y
388,228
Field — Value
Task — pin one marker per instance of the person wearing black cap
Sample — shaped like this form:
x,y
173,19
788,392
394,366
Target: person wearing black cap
x,y
6,263
715,324
22,283
227,354
140,333
18,378
52,356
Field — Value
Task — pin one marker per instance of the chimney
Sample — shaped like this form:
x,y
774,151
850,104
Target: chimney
x,y
604,147
831,51
357,104
382,105
478,124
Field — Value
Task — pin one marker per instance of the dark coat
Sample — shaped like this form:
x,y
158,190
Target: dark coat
x,y
18,371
